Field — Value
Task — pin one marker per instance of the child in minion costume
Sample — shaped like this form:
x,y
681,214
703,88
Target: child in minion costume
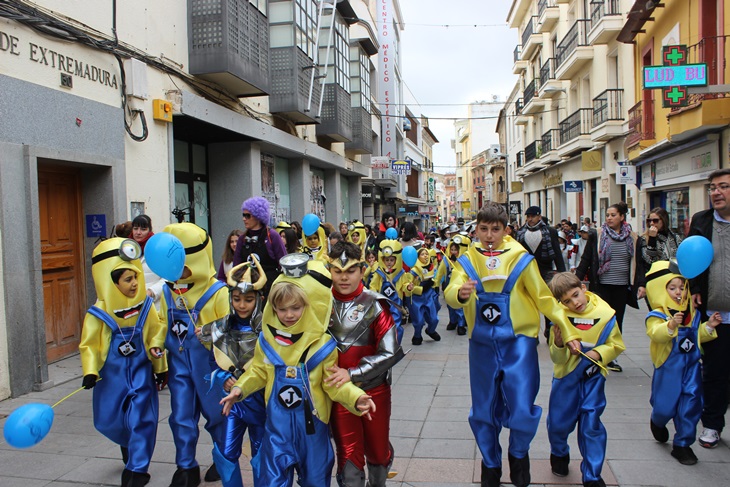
x,y
456,248
389,280
121,342
358,235
291,364
423,308
197,298
674,327
316,245
233,341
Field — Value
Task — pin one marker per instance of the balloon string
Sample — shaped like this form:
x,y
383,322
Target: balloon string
x,y
74,392
599,364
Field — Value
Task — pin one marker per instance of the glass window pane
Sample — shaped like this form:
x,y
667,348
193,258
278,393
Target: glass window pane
x,y
200,192
199,166
182,159
181,198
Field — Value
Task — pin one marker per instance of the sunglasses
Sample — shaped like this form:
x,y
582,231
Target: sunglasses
x,y
653,220
246,216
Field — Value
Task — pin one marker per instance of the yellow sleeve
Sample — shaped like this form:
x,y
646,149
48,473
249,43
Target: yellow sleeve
x,y
559,355
451,294
347,394
94,345
613,347
416,280
154,336
402,285
376,283
440,273
706,336
255,377
658,330
546,302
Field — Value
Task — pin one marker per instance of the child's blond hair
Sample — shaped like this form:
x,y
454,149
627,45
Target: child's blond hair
x,y
562,283
284,294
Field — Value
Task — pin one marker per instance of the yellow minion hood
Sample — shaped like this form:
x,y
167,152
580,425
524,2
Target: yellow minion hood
x,y
198,260
358,228
390,248
659,275
110,255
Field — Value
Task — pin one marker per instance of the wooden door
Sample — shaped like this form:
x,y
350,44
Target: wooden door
x,y
62,253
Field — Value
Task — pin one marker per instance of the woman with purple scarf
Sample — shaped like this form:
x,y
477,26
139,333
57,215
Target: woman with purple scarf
x,y
608,261
259,239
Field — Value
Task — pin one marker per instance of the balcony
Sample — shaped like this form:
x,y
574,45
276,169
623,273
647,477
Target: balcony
x,y
549,143
550,87
291,70
531,39
520,158
229,46
519,65
575,132
336,117
362,132
531,152
608,118
606,21
641,124
573,52
533,104
520,118
548,14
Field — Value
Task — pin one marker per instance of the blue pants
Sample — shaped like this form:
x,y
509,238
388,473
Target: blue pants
x,y
676,394
456,316
423,312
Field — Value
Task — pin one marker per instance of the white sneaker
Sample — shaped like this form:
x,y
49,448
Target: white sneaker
x,y
709,438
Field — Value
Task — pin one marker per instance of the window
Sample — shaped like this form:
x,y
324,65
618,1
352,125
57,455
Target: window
x,y
306,21
191,182
341,49
360,72
259,4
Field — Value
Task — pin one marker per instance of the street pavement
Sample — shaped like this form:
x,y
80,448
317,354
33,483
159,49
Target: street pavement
x,y
429,429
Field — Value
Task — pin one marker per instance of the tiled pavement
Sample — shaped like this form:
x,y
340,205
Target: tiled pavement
x,y
429,429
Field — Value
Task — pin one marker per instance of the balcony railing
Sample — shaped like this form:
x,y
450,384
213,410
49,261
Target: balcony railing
x,y
607,106
518,106
550,141
578,123
547,71
602,8
641,122
529,30
518,51
520,158
531,152
530,90
576,36
544,4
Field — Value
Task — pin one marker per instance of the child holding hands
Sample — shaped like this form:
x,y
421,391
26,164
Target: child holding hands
x,y
674,327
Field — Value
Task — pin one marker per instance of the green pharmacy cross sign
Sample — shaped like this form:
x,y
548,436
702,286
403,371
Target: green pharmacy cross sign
x,y
674,76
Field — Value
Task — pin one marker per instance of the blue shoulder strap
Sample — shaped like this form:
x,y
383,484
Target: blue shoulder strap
x,y
516,272
656,314
269,351
471,272
381,274
606,331
398,276
214,288
102,315
321,354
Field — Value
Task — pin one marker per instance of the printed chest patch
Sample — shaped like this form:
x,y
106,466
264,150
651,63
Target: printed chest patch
x,y
491,313
686,345
126,349
388,290
180,329
290,396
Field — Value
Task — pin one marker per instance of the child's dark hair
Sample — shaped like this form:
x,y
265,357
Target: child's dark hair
x,y
492,212
142,221
123,230
563,282
351,250
369,253
117,274
291,241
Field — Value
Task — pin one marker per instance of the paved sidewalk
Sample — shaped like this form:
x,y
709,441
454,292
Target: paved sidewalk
x,y
433,443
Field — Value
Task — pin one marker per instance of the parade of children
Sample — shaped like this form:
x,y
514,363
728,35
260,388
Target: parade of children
x,y
294,365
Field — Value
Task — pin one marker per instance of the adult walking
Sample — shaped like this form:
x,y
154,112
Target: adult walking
x,y
709,295
608,260
141,233
259,239
541,240
659,242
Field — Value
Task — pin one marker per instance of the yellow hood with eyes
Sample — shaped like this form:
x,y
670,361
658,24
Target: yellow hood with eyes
x,y
119,306
657,279
396,250
198,259
321,254
359,228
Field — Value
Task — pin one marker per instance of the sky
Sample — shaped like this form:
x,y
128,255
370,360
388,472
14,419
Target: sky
x,y
455,65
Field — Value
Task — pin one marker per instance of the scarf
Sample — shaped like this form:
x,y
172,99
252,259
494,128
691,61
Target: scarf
x,y
608,236
142,243
666,248
546,248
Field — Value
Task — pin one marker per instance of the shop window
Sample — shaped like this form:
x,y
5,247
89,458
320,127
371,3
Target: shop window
x,y
191,182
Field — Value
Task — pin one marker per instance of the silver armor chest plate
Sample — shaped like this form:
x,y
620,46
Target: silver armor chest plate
x,y
350,321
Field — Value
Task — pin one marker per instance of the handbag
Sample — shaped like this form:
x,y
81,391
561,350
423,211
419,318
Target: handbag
x,y
631,299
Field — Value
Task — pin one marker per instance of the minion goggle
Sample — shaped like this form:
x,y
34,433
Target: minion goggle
x,y
389,252
128,251
355,226
461,240
344,263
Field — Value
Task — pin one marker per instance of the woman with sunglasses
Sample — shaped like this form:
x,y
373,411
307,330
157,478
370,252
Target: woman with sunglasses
x,y
659,242
259,239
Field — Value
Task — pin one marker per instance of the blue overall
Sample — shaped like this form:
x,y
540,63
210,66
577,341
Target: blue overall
x,y
125,402
579,397
290,442
503,372
423,311
676,387
388,289
188,371
456,315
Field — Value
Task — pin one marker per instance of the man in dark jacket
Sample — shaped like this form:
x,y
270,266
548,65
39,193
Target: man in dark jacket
x,y
541,240
709,295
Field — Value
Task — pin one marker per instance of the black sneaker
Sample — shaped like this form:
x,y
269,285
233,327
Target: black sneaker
x,y
684,455
461,331
189,477
559,465
594,483
417,340
519,470
451,326
613,366
212,475
491,476
660,433
434,336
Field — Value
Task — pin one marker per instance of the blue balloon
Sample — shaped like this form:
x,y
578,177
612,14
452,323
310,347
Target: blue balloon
x,y
410,256
310,224
28,425
165,256
694,256
392,234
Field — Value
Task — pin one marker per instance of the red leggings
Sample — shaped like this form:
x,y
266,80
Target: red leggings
x,y
357,437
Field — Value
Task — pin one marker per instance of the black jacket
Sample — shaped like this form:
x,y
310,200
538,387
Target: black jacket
x,y
546,264
702,225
